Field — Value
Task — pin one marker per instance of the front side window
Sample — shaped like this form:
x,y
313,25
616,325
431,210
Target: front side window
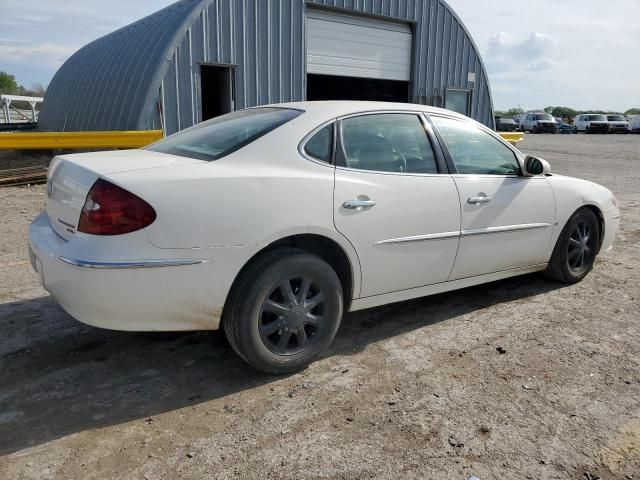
x,y
320,146
224,135
388,142
474,151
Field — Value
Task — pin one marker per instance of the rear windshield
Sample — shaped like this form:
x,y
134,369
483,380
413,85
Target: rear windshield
x,y
597,118
223,135
616,118
543,116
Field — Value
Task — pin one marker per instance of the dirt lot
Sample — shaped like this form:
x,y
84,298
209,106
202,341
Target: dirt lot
x,y
414,390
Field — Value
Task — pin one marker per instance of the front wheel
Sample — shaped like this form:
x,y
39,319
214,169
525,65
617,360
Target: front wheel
x,y
576,249
284,311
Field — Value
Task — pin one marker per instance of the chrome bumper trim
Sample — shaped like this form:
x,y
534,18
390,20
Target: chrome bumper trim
x,y
129,265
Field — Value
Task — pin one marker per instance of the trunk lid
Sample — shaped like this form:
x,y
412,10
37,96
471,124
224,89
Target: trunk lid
x,y
71,178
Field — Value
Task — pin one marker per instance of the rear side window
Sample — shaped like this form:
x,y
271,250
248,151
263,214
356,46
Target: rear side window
x,y
389,142
320,146
224,135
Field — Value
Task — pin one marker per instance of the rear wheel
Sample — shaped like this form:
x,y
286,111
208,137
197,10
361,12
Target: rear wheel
x,y
284,311
576,249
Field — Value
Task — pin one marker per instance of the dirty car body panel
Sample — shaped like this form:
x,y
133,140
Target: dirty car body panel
x,y
424,232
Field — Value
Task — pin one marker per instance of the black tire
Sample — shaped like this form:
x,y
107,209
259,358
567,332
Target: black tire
x,y
565,265
256,333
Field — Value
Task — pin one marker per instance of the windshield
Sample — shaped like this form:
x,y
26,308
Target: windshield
x,y
223,135
616,118
597,118
543,116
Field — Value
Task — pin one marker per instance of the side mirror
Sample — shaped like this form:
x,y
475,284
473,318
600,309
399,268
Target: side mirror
x,y
536,166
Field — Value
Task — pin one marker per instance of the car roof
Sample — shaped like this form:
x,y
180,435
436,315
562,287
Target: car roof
x,y
346,107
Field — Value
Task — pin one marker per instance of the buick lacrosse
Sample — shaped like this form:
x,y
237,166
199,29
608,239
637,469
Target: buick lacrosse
x,y
271,222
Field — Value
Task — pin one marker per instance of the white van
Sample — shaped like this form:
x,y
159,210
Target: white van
x,y
591,123
617,123
538,122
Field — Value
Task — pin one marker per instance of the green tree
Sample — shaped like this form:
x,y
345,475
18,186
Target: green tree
x,y
8,83
633,111
563,112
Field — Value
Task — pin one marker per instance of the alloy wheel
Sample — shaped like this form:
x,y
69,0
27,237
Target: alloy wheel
x,y
580,248
292,316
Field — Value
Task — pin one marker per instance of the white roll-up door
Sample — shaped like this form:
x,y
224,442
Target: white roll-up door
x,y
350,46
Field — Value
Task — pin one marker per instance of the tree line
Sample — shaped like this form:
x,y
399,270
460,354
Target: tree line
x,y
9,86
561,112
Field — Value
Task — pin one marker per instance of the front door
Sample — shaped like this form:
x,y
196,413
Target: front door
x,y
391,202
507,219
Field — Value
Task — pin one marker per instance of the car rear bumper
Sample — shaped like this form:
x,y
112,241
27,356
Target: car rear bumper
x,y
161,294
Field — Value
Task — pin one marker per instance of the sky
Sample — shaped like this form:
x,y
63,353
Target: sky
x,y
579,53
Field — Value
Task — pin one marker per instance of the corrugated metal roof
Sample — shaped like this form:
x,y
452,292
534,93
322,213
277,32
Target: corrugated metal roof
x,y
111,83
118,81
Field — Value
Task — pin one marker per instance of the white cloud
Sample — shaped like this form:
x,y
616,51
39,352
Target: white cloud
x,y
535,50
49,54
542,46
542,65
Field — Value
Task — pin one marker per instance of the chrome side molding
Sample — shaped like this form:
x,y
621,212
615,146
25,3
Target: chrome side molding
x,y
507,228
130,265
463,233
419,238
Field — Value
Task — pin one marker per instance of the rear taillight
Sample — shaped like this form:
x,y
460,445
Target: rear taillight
x,y
111,210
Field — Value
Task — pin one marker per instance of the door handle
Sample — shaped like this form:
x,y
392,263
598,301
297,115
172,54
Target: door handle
x,y
478,200
355,204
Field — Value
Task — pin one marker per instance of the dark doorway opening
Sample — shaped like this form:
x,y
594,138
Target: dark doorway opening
x,y
217,91
329,87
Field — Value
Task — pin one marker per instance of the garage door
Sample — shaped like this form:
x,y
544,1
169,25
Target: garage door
x,y
352,46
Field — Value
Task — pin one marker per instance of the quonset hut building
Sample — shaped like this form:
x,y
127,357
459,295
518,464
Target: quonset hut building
x,y
198,59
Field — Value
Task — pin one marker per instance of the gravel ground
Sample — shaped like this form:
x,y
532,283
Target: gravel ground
x,y
518,379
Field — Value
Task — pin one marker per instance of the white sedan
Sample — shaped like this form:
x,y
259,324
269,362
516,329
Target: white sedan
x,y
273,221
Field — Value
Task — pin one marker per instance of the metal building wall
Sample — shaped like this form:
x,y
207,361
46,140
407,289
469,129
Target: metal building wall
x,y
119,81
444,52
264,41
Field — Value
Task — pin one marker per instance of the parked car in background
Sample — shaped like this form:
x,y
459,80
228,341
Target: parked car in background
x,y
518,119
618,123
271,222
539,123
634,124
505,124
563,127
591,123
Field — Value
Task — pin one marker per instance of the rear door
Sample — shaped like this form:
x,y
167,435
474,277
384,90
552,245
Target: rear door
x,y
391,201
507,219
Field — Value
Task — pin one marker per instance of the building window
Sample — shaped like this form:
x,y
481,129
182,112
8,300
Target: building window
x,y
458,100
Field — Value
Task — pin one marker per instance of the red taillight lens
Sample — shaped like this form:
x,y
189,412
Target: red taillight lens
x,y
111,210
